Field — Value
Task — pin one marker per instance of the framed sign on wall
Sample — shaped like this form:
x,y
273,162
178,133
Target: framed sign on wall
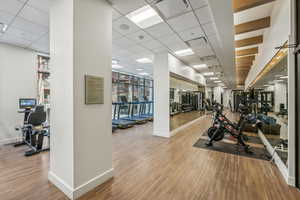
x,y
94,89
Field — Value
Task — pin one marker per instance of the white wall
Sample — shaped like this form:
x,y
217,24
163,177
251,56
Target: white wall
x,y
217,94
18,79
177,67
273,37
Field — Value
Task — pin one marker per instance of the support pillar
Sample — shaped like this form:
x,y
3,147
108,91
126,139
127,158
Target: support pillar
x,y
161,76
81,137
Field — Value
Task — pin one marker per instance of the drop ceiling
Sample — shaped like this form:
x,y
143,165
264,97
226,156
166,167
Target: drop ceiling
x,y
184,24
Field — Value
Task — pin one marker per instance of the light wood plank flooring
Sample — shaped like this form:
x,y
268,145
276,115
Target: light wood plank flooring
x,y
153,168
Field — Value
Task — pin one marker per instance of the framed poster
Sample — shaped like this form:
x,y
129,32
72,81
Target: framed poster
x,y
94,89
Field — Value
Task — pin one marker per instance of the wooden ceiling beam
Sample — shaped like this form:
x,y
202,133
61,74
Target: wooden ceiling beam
x,y
240,5
253,25
245,58
249,41
246,52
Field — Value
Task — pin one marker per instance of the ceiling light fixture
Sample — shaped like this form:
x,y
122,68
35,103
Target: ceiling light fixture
x,y
3,27
284,77
214,78
139,69
217,81
117,66
144,17
144,60
114,62
184,52
143,74
201,66
208,74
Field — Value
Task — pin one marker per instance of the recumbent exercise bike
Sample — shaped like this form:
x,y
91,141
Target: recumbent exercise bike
x,y
33,130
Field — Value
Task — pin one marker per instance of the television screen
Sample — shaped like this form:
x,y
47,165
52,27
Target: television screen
x,y
27,103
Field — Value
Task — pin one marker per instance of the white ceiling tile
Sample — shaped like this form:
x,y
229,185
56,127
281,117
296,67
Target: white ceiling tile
x,y
116,35
23,34
124,26
170,39
11,39
152,44
171,8
137,49
34,15
123,42
6,17
198,3
11,6
43,5
139,36
183,22
127,6
30,27
191,59
191,33
177,46
115,14
204,15
160,50
203,51
209,29
159,30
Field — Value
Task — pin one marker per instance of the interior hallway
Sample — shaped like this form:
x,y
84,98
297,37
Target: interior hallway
x,y
148,167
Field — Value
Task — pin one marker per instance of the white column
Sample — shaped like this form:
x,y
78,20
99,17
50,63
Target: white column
x,y
161,76
280,90
81,139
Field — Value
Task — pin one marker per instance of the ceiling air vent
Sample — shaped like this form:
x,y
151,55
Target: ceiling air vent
x,y
208,58
196,42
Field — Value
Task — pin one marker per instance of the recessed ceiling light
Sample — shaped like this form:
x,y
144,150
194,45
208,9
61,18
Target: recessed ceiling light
x,y
117,66
144,17
184,52
202,66
279,80
139,69
144,60
214,78
208,74
284,77
218,81
143,74
114,62
3,27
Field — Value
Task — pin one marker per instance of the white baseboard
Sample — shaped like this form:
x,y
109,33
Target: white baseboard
x,y
61,184
82,189
292,181
279,163
175,131
94,182
161,134
10,140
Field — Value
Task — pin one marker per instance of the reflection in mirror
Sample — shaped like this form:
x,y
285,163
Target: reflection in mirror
x,y
272,107
186,102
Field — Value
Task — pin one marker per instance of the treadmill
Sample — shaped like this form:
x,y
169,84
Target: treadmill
x,y
130,114
144,112
116,121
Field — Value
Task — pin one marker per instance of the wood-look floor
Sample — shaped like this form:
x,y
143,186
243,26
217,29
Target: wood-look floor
x,y
153,168
183,118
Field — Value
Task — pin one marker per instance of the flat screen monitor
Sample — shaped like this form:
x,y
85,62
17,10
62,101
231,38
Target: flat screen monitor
x,y
27,103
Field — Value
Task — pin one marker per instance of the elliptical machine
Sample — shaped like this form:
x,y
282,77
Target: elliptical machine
x,y
222,125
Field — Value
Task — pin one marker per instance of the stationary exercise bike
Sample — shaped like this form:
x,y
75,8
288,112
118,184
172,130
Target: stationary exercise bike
x,y
222,125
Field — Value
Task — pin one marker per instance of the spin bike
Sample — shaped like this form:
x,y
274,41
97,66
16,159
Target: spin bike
x,y
222,125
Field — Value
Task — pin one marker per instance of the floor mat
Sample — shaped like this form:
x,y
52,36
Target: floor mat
x,y
251,139
258,153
